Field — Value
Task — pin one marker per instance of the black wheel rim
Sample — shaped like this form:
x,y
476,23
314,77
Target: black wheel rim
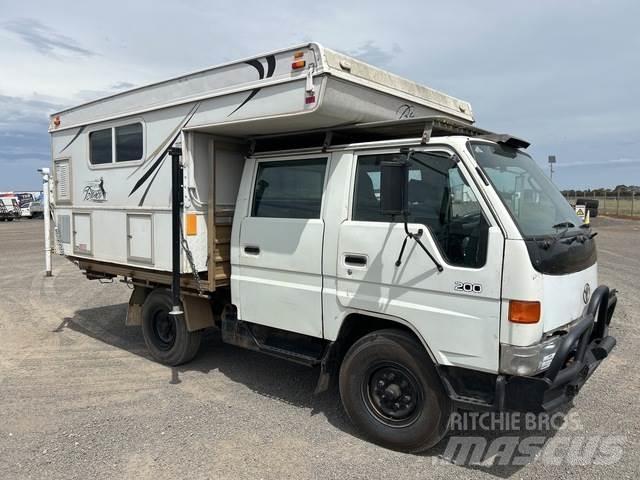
x,y
392,394
164,330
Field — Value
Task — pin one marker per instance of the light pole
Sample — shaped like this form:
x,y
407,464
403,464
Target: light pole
x,y
47,220
552,160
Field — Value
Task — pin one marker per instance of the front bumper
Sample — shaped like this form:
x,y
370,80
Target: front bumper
x,y
579,354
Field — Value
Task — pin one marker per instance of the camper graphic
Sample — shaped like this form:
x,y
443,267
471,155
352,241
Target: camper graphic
x,y
94,191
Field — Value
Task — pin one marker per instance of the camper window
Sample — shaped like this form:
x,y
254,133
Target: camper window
x,y
116,144
100,145
129,142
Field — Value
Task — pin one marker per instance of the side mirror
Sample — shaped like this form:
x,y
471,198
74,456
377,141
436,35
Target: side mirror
x,y
394,188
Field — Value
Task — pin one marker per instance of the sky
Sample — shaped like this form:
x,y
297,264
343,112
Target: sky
x,y
563,75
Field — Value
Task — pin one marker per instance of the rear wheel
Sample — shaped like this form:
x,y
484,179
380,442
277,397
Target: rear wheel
x,y
392,393
166,335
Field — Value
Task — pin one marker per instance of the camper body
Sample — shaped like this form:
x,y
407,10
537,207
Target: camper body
x,y
321,210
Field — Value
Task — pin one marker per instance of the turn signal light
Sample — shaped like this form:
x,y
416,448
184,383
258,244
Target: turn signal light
x,y
298,65
524,312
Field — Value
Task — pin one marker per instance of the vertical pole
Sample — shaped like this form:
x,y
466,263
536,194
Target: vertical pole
x,y
604,202
618,202
176,209
47,221
633,196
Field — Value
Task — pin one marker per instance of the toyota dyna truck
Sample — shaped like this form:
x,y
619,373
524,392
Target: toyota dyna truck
x,y
315,208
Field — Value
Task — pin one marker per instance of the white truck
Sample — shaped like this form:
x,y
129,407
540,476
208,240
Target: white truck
x,y
319,209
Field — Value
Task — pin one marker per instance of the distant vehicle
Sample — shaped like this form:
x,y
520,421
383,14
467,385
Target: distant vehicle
x,y
590,204
9,208
36,209
25,200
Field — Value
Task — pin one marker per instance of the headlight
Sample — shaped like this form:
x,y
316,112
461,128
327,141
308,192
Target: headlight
x,y
528,360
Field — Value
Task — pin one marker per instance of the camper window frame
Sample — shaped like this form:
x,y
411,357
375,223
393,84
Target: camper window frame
x,y
114,154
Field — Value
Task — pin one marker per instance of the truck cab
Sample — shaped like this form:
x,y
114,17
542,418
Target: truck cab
x,y
425,274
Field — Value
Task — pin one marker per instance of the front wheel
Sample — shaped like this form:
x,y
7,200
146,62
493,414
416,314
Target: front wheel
x,y
392,393
166,335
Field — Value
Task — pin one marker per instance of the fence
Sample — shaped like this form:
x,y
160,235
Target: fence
x,y
625,204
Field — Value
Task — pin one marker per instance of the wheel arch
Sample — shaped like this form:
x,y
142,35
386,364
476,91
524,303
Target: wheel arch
x,y
355,324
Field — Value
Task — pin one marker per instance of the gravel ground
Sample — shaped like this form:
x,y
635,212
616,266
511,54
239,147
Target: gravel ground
x,y
80,398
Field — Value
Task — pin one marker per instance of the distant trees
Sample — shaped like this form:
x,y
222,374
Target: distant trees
x,y
599,192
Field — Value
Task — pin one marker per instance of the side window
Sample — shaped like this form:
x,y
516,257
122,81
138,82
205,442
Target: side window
x,y
100,145
289,189
439,198
129,142
127,147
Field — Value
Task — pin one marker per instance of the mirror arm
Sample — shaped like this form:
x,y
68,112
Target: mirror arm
x,y
416,237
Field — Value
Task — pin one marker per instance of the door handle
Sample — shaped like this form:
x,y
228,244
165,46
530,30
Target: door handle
x,y
356,260
252,250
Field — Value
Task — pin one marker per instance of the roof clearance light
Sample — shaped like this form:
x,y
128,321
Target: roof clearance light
x,y
524,312
298,55
56,121
298,65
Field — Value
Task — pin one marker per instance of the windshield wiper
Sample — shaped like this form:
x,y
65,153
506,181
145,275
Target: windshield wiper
x,y
565,225
546,244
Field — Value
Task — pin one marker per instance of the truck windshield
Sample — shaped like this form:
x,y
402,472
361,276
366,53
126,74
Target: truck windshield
x,y
536,205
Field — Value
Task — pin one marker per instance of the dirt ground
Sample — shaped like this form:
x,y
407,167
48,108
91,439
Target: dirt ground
x,y
80,398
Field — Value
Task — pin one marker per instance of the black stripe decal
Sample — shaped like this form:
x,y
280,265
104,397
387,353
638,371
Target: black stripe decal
x,y
253,93
148,172
258,66
161,146
146,190
159,160
75,137
271,67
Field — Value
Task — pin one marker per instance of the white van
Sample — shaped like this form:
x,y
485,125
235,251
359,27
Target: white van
x,y
321,210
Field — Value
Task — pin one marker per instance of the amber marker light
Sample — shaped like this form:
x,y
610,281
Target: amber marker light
x,y
524,312
192,224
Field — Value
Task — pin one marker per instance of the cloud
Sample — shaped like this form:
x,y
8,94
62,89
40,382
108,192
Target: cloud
x,y
24,136
122,86
44,39
371,53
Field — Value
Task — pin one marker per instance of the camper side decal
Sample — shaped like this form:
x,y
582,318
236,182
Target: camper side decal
x,y
94,191
271,67
157,158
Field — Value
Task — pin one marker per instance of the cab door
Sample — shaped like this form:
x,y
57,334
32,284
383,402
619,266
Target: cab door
x,y
279,272
456,311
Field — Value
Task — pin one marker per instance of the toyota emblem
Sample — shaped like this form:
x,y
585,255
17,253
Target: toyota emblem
x,y
586,293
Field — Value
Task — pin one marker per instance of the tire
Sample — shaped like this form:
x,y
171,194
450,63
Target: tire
x,y
166,336
370,394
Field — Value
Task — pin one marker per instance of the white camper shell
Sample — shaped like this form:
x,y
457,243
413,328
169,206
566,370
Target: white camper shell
x,y
211,113
322,210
